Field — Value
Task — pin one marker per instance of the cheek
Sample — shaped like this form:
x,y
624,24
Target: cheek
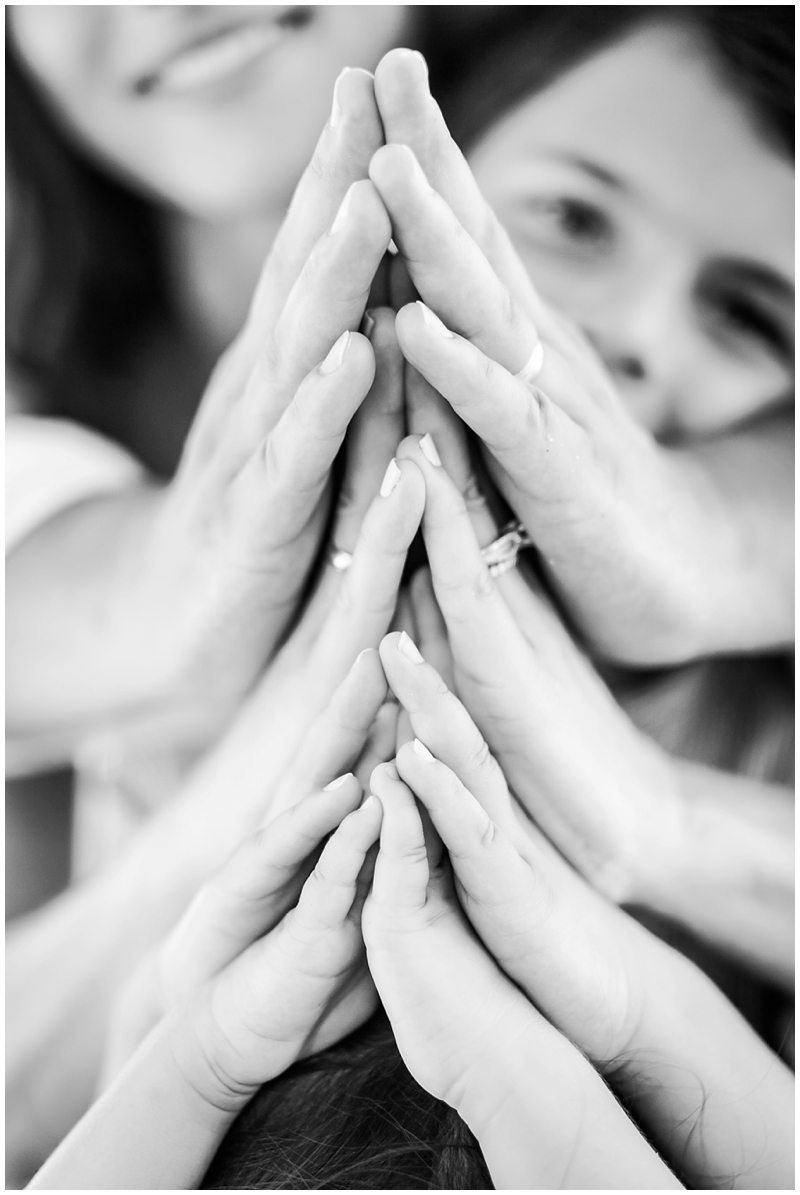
x,y
714,392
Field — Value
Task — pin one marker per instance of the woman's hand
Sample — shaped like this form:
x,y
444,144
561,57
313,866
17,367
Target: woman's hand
x,y
688,1067
656,553
642,827
177,597
250,986
471,1038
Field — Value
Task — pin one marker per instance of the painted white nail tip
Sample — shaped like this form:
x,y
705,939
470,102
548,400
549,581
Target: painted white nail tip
x,y
390,479
422,751
432,320
408,648
429,450
337,783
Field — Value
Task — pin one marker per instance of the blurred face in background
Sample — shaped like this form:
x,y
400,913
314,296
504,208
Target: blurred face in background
x,y
214,108
649,208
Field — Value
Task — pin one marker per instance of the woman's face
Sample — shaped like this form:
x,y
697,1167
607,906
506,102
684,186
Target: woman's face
x,y
214,108
648,208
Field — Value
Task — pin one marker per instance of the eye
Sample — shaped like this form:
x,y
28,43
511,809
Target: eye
x,y
737,316
576,219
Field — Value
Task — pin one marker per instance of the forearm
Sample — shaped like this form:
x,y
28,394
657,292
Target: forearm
x,y
75,651
743,487
64,966
725,867
545,1120
151,1130
713,1096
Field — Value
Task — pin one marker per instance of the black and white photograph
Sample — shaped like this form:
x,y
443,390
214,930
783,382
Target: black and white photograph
x,y
400,597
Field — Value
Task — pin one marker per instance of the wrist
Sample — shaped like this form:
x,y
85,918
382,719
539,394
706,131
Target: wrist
x,y
196,1052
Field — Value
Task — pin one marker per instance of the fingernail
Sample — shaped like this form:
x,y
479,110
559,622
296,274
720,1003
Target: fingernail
x,y
419,57
422,751
336,107
367,324
336,355
392,248
408,648
428,449
337,783
432,321
341,215
390,479
370,803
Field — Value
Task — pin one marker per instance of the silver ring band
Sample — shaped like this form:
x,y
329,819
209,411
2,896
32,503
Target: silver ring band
x,y
533,366
339,559
500,556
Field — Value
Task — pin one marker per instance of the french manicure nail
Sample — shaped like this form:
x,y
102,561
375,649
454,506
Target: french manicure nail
x,y
341,215
369,803
337,783
390,479
336,355
392,248
422,751
432,321
367,325
428,449
336,107
408,648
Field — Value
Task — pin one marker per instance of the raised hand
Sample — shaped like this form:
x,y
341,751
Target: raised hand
x,y
710,850
253,992
656,552
688,1067
472,1039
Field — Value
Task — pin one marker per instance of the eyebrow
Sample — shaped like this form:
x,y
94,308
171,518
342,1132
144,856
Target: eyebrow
x,y
589,167
748,273
754,275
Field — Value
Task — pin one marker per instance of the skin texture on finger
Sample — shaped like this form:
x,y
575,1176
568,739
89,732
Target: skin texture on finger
x,y
329,892
341,158
328,298
367,597
337,735
251,894
377,427
441,723
381,744
545,453
411,117
441,256
402,872
431,629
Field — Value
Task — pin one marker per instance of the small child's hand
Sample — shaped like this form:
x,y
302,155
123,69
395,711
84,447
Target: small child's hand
x,y
471,1038
252,900
303,984
644,1015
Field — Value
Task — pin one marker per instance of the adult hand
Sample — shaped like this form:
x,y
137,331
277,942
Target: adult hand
x,y
707,849
655,552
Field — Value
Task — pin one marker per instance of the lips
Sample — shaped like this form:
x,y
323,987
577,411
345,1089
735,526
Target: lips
x,y
221,54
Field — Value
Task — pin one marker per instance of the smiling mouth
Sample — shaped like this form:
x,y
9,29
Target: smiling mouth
x,y
221,55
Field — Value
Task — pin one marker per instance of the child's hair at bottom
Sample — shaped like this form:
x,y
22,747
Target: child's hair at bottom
x,y
352,1118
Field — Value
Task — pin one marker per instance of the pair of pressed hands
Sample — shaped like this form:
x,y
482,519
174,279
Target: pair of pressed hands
x,y
657,555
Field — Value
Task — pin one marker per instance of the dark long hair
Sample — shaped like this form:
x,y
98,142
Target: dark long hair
x,y
84,281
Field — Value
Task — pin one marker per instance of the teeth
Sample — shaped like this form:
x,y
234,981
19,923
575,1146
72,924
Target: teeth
x,y
216,60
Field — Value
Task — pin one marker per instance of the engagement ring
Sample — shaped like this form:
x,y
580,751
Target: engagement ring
x,y
500,556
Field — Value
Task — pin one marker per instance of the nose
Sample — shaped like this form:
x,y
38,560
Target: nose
x,y
643,335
